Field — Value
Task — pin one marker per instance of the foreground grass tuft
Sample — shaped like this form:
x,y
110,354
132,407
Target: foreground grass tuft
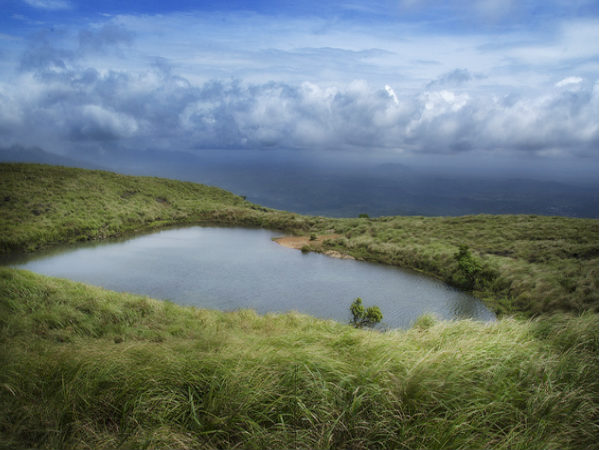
x,y
84,367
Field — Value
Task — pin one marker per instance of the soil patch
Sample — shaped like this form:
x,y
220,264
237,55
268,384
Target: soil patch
x,y
298,242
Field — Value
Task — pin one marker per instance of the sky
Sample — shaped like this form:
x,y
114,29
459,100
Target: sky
x,y
480,83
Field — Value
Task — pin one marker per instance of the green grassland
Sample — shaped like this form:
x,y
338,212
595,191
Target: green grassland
x,y
42,205
529,264
83,367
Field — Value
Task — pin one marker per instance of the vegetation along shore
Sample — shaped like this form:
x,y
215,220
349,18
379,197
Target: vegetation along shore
x,y
522,264
83,367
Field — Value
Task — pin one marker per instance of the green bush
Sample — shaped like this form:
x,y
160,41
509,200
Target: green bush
x,y
424,321
468,268
361,317
472,273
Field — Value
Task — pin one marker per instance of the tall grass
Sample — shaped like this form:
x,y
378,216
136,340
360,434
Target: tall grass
x,y
43,205
84,367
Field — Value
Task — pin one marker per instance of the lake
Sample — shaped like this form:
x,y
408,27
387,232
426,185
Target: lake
x,y
233,268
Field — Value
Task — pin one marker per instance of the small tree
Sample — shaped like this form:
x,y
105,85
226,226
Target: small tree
x,y
358,311
362,317
363,216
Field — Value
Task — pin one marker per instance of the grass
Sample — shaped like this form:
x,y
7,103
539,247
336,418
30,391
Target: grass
x,y
83,367
42,205
531,264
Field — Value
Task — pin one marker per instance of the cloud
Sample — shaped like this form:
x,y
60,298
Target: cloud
x,y
497,13
392,94
155,108
49,4
43,57
454,78
54,53
569,81
102,38
494,10
121,84
93,122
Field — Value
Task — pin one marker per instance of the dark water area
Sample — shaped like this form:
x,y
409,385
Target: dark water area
x,y
237,268
303,183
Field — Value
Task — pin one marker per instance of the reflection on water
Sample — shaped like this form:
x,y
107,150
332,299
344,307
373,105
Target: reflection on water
x,y
231,268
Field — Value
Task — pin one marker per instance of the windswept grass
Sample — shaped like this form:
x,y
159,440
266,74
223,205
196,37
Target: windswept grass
x,y
87,368
531,264
83,367
44,205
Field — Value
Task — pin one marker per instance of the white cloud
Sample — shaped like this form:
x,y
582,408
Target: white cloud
x,y
391,93
313,49
441,102
102,122
313,87
153,109
49,4
569,81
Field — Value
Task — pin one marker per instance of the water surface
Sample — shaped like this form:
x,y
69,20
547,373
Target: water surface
x,y
232,268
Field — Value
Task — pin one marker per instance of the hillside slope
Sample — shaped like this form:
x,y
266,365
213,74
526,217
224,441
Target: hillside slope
x,y
517,264
44,205
83,367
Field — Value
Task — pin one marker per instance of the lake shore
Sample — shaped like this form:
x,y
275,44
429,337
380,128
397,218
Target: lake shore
x,y
528,265
300,242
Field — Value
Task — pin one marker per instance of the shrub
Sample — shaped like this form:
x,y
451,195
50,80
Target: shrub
x,y
363,216
471,272
361,317
468,268
424,321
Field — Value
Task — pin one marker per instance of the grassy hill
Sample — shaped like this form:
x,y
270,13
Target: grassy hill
x,y
83,367
44,205
528,264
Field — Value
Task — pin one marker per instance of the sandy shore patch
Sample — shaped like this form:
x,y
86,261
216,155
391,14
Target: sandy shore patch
x,y
336,254
297,242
